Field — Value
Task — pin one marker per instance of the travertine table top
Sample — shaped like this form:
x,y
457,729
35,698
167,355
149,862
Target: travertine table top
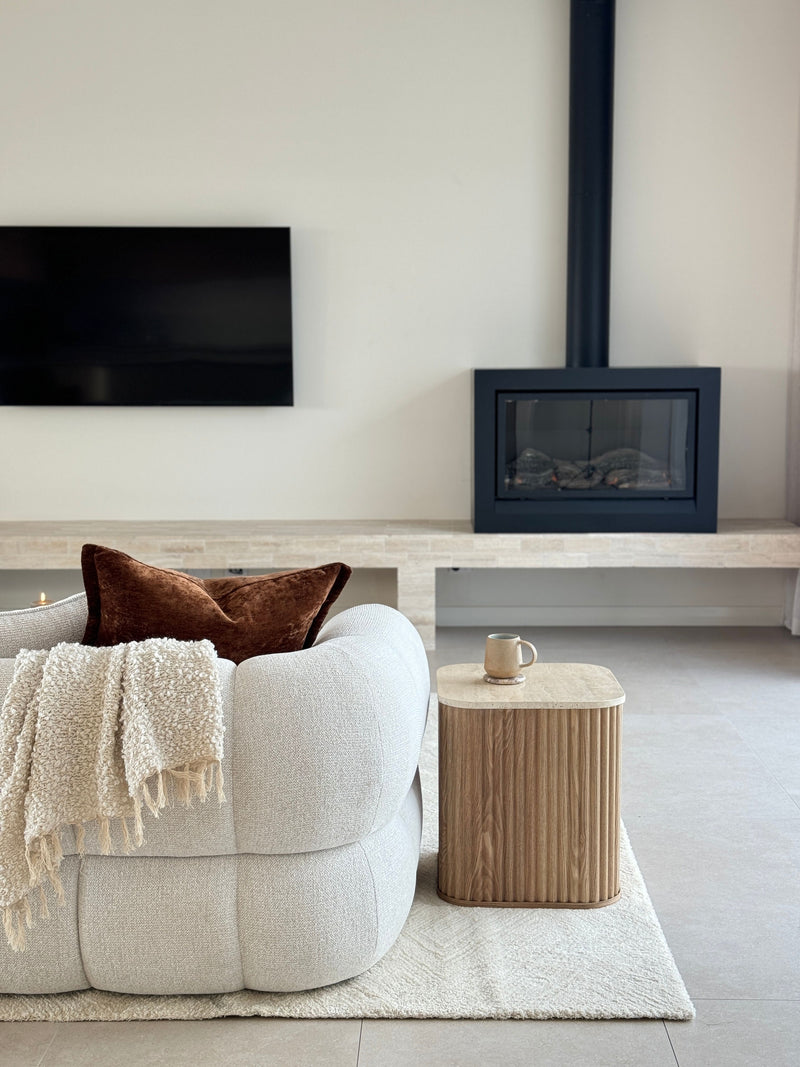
x,y
546,685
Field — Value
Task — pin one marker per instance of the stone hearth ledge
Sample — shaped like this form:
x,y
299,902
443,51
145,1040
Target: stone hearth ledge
x,y
413,548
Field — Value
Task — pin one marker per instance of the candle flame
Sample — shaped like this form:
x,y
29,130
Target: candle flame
x,y
43,598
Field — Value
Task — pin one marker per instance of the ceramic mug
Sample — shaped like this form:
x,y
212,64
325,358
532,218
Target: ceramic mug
x,y
503,660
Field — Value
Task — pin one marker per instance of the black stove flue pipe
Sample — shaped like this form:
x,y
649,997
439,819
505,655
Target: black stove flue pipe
x,y
591,102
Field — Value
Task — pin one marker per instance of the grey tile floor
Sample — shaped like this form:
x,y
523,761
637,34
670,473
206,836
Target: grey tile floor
x,y
711,800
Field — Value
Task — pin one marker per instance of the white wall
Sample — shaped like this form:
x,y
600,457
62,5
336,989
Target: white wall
x,y
418,150
705,178
610,597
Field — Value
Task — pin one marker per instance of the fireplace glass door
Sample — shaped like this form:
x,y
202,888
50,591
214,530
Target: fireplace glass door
x,y
596,445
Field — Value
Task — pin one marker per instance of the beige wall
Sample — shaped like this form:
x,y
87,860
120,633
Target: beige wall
x,y
706,170
418,150
415,148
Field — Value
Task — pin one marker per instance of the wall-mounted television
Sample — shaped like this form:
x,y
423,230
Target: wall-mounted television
x,y
145,315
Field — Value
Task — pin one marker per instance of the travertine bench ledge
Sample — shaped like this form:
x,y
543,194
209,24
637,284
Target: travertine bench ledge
x,y
413,548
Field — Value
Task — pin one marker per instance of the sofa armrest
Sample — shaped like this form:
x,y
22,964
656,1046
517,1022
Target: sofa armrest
x,y
326,741
43,626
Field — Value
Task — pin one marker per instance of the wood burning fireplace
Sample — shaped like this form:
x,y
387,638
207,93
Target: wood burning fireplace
x,y
590,447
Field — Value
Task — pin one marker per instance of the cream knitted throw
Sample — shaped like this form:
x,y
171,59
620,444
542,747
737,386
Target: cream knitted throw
x,y
90,735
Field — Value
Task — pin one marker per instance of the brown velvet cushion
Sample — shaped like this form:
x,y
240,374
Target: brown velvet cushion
x,y
242,617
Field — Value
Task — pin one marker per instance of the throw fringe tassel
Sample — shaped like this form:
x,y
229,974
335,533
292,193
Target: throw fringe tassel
x,y
44,854
193,780
16,917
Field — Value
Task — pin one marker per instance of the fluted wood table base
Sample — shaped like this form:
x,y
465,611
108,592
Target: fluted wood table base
x,y
529,808
526,903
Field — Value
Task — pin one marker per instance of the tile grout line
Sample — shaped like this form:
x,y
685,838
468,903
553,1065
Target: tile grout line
x,y
49,1046
747,1000
674,1053
767,769
360,1035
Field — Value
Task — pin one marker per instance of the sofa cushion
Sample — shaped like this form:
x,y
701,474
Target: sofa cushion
x,y
212,924
42,627
242,616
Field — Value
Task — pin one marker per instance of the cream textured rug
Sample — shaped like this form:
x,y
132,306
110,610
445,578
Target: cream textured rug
x,y
456,963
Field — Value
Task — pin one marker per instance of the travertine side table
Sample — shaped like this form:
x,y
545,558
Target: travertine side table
x,y
529,787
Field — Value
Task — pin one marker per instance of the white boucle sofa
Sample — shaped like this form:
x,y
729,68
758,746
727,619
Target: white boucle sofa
x,y
303,877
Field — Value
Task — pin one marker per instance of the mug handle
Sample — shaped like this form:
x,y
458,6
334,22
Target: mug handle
x,y
533,653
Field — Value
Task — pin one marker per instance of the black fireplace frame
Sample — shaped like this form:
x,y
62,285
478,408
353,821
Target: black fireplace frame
x,y
570,512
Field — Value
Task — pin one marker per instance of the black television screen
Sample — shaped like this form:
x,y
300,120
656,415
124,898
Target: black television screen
x,y
145,315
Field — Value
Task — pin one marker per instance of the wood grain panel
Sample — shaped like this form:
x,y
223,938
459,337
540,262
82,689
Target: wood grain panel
x,y
529,806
